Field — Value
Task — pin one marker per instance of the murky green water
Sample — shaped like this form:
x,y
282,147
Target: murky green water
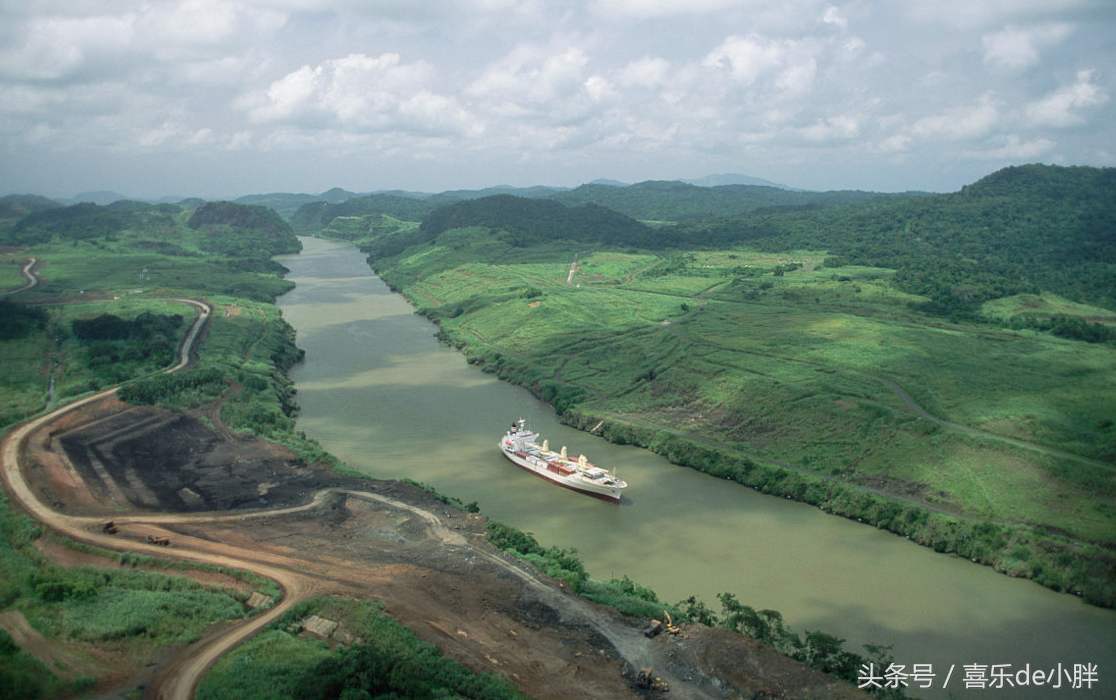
x,y
378,391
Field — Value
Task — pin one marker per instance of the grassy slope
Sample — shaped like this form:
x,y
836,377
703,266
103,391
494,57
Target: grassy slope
x,y
791,372
251,345
120,608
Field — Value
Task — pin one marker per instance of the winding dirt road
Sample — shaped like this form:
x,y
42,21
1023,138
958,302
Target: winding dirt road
x,y
179,679
32,278
556,670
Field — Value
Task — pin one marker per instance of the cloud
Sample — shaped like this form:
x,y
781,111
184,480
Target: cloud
x,y
835,17
357,92
981,14
649,71
837,128
788,64
959,123
531,74
1013,149
55,48
1014,48
669,84
1063,107
644,9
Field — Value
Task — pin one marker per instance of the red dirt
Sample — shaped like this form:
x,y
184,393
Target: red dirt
x,y
216,496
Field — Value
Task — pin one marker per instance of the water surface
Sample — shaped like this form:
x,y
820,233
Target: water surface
x,y
378,391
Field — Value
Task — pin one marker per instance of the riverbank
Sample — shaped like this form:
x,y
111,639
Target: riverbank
x,y
795,406
375,381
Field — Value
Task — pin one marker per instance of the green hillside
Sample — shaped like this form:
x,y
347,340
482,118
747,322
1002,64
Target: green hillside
x,y
679,202
805,353
1021,230
314,216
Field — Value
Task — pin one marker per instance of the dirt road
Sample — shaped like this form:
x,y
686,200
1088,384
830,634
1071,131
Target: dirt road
x,y
431,565
32,278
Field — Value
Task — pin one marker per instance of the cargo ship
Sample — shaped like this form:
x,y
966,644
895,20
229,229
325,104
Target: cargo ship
x,y
520,445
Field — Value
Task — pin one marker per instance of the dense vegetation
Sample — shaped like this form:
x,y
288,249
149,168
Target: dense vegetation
x,y
243,231
90,607
771,346
120,261
18,321
781,349
391,662
14,207
680,202
314,216
1021,230
817,649
117,266
286,204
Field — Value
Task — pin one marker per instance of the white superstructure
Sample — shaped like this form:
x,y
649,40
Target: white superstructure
x,y
521,447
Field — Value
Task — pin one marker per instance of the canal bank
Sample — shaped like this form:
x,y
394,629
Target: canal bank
x,y
377,390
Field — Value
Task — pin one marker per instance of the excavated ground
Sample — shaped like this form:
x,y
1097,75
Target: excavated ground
x,y
438,576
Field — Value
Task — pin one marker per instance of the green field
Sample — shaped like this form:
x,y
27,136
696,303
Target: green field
x,y
827,373
388,660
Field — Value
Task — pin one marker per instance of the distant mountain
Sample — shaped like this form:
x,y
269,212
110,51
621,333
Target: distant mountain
x,y
17,206
86,220
536,192
528,220
675,201
286,203
243,230
336,195
1023,229
101,197
735,179
317,215
610,183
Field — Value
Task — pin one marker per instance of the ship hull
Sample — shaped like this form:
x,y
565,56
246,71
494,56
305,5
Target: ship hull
x,y
610,494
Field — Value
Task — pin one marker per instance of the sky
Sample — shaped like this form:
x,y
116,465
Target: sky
x,y
222,98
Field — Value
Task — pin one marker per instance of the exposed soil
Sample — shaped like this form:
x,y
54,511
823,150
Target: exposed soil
x,y
231,499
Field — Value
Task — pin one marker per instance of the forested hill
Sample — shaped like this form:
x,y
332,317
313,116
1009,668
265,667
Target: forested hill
x,y
315,216
286,204
242,230
1022,229
17,206
527,221
84,221
679,202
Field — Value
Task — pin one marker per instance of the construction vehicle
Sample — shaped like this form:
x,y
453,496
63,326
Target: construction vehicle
x,y
110,528
646,678
155,539
670,626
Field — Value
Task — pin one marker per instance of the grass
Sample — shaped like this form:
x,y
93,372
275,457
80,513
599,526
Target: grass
x,y
1044,306
391,659
785,360
11,272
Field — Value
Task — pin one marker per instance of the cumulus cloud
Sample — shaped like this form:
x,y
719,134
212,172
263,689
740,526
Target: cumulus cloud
x,y
54,48
1012,148
1016,48
1065,106
661,8
968,14
835,17
959,123
831,129
711,83
362,93
788,64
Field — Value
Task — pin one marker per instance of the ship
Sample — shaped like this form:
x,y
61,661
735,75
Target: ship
x,y
522,447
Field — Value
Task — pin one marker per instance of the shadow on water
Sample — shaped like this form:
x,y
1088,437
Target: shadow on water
x,y
378,391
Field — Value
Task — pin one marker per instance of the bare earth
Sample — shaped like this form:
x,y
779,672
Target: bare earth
x,y
237,501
